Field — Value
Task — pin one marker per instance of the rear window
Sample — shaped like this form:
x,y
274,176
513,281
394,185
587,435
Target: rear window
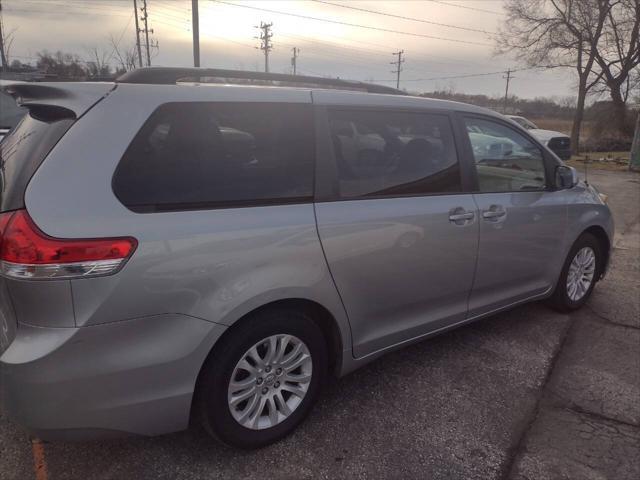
x,y
209,155
22,152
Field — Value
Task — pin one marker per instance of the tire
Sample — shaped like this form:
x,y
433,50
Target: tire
x,y
564,299
292,330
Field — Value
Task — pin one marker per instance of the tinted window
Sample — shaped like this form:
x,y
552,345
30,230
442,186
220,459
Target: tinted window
x,y
22,152
505,160
393,153
203,155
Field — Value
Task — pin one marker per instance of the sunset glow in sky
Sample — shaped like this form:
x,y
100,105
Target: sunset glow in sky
x,y
328,49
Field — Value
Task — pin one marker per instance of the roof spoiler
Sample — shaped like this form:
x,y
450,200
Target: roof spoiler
x,y
66,99
171,75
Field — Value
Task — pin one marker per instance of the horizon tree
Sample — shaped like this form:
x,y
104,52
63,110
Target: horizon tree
x,y
618,56
557,34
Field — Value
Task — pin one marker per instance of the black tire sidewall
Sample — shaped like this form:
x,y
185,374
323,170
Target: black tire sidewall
x,y
214,384
561,296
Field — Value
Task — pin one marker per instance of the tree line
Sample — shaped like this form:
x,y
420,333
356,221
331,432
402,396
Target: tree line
x,y
599,40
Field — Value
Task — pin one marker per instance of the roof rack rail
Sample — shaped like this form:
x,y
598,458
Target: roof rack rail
x,y
171,75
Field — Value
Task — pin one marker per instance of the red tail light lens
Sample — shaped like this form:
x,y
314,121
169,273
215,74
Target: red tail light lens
x,y
26,252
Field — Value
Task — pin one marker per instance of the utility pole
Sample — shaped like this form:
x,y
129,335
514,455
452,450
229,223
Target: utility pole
x,y
506,91
294,58
195,26
3,56
145,17
398,64
265,42
135,14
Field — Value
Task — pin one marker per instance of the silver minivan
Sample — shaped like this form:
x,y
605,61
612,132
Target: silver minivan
x,y
214,245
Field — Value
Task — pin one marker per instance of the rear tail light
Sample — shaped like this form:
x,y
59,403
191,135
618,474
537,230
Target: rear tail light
x,y
28,253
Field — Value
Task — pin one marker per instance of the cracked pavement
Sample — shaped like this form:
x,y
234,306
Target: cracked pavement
x,y
526,394
588,422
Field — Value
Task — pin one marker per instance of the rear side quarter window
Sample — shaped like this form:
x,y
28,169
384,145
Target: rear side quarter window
x,y
218,154
23,151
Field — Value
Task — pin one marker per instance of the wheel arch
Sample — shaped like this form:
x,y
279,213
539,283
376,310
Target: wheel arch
x,y
317,312
605,243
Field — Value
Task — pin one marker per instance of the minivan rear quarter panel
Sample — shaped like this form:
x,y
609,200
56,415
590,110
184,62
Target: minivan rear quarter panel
x,y
214,264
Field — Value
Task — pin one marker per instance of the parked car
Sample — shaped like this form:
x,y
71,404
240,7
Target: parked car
x,y
203,251
558,142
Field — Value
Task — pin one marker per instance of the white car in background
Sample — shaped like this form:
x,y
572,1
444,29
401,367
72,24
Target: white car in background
x,y
558,142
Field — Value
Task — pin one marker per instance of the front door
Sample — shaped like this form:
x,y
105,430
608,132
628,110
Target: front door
x,y
522,221
400,238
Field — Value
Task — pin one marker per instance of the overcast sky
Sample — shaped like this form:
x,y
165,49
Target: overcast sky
x,y
432,53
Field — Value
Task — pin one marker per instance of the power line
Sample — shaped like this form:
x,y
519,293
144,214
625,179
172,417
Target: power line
x,y
501,72
376,53
350,7
353,61
117,43
493,12
49,12
170,17
68,8
171,6
388,30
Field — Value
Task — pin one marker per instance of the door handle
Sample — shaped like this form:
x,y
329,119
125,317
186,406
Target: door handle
x,y
460,216
494,213
456,217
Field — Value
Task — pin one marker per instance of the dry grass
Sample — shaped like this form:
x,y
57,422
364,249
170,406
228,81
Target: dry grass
x,y
617,161
557,124
564,126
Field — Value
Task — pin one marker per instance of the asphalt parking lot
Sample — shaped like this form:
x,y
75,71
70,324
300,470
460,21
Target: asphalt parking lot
x,y
527,394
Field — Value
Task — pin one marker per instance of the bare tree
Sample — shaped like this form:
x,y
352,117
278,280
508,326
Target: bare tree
x,y
557,33
64,65
7,41
98,63
618,55
127,56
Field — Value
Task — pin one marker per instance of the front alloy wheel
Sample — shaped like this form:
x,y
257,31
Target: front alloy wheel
x,y
270,381
581,273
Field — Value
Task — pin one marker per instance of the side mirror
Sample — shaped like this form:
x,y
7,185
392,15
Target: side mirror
x,y
566,177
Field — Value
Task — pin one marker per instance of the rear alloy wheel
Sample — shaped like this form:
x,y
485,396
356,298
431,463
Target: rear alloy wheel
x,y
263,378
270,381
579,275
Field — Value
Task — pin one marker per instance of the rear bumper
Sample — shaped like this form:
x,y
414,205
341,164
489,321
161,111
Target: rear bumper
x,y
134,376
